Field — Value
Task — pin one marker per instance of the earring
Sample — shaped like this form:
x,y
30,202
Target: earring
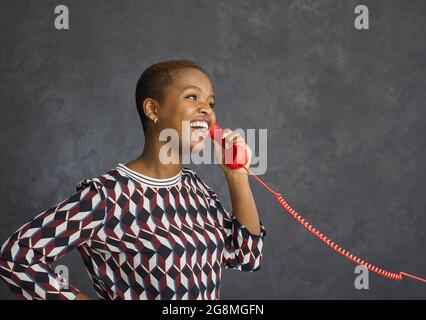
x,y
155,120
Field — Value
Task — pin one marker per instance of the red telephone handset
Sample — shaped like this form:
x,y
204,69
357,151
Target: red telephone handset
x,y
235,157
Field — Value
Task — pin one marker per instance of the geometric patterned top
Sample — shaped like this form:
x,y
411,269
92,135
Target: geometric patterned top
x,y
140,238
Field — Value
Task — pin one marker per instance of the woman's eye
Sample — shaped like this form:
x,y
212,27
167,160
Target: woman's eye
x,y
211,104
192,95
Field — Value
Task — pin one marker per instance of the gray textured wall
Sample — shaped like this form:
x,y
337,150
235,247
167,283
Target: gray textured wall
x,y
344,109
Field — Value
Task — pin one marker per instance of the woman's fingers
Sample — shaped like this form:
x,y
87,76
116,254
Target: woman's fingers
x,y
232,137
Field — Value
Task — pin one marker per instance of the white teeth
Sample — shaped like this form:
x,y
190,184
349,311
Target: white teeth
x,y
202,124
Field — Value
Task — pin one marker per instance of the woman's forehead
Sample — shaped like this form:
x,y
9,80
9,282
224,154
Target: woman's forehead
x,y
193,78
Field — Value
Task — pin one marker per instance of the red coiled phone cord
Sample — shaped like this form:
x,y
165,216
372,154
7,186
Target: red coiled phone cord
x,y
328,242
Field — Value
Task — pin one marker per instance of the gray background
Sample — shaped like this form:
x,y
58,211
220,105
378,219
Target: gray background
x,y
344,109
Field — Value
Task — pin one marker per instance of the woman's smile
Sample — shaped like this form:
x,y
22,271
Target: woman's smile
x,y
200,128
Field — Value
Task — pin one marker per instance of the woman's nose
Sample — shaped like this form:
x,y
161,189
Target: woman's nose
x,y
205,109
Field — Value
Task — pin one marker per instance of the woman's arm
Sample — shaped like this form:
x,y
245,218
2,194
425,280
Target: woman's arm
x,y
243,205
26,257
243,230
242,200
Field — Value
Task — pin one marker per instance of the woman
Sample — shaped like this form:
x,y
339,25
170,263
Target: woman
x,y
146,229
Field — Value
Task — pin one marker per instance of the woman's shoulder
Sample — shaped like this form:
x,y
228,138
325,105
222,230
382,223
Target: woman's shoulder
x,y
197,180
189,173
186,171
106,180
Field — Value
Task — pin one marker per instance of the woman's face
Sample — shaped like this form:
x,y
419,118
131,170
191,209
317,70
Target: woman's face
x,y
189,98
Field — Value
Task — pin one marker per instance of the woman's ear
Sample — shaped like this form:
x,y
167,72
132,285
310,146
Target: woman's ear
x,y
150,110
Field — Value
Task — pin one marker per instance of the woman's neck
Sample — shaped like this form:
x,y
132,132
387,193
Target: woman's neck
x,y
149,164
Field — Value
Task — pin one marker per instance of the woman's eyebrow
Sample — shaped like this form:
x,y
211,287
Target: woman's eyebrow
x,y
195,87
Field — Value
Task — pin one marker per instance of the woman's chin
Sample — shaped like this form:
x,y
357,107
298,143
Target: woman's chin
x,y
197,147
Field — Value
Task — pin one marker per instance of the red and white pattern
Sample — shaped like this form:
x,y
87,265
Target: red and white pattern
x,y
140,238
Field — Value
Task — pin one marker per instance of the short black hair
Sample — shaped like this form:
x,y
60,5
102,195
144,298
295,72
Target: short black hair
x,y
155,79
